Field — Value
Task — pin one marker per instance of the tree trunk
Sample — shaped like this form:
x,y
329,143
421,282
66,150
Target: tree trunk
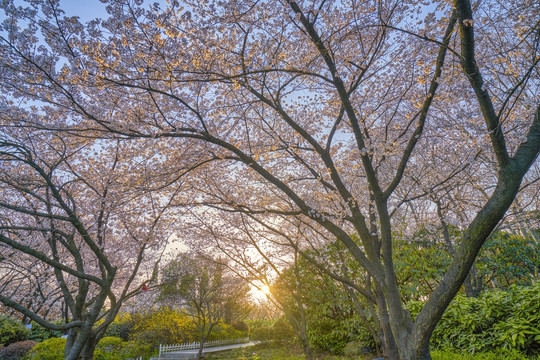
x,y
203,339
88,351
473,283
375,333
388,342
305,346
299,326
413,350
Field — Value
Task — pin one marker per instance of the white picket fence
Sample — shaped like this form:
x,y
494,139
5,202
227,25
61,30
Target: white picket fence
x,y
195,345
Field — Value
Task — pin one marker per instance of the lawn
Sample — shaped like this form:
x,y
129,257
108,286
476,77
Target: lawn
x,y
270,352
291,352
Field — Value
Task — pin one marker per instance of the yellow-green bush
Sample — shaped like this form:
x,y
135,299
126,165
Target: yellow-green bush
x,y
51,349
114,348
163,326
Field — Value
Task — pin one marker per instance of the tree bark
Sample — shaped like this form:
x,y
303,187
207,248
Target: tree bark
x,y
473,283
203,339
389,345
89,348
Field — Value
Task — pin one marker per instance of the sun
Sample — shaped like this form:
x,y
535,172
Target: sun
x,y
261,292
266,290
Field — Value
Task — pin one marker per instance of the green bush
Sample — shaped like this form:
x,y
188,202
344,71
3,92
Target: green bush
x,y
225,332
263,333
111,342
51,349
240,326
113,348
119,329
500,319
331,330
327,334
255,323
11,330
283,330
17,351
108,348
39,333
354,349
135,349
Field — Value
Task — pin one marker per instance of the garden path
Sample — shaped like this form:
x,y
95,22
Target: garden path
x,y
192,354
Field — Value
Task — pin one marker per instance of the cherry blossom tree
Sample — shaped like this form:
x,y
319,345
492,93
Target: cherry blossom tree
x,y
31,284
263,258
335,113
88,236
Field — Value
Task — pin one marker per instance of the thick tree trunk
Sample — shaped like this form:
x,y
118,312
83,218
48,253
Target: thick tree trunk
x,y
413,350
88,350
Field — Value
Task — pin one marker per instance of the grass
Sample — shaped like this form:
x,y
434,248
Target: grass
x,y
499,354
270,352
292,352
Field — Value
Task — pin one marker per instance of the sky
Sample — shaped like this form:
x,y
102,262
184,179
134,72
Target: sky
x,y
85,9
90,9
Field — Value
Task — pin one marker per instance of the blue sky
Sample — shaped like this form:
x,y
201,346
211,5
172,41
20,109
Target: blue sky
x,y
85,9
90,9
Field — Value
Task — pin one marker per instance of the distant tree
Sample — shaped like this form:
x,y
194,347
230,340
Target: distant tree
x,y
201,288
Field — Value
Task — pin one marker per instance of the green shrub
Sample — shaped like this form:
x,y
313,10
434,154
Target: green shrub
x,y
111,342
11,330
263,333
112,348
51,349
354,349
283,330
509,320
364,337
240,326
108,348
135,349
17,351
119,329
327,334
225,332
39,333
255,323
